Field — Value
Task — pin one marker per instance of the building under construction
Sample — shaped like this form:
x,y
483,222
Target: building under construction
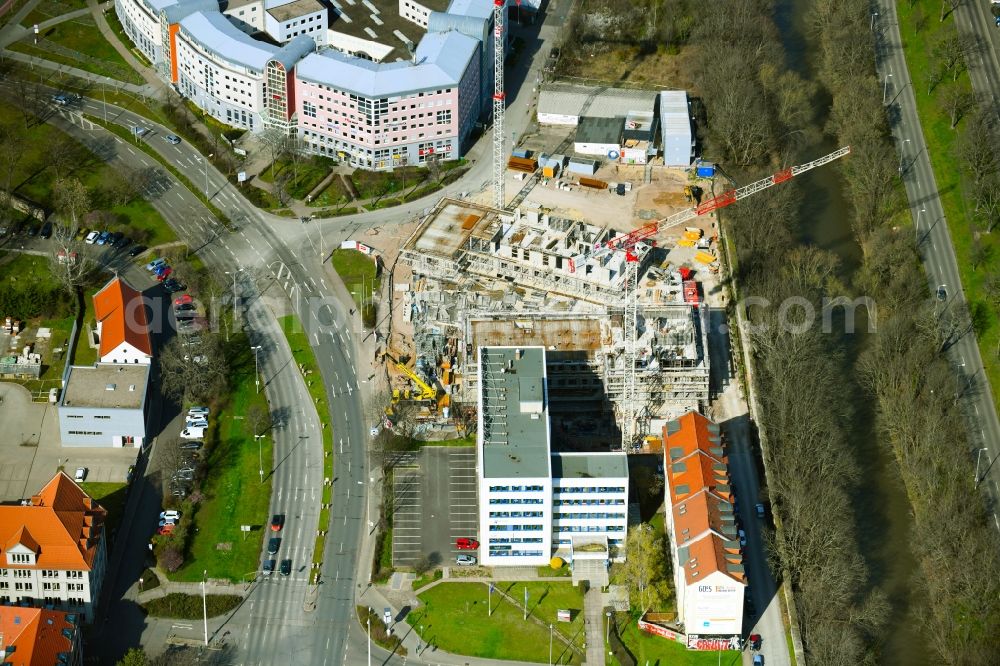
x,y
483,277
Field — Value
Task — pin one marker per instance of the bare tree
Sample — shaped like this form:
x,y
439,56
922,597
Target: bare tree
x,y
947,7
72,268
259,419
976,147
950,51
71,199
191,370
276,142
12,142
955,100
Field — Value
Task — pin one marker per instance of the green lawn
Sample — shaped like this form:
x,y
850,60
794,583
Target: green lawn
x,y
85,48
455,618
370,184
309,173
109,495
34,176
234,494
355,269
659,651
189,606
952,186
334,194
305,358
83,353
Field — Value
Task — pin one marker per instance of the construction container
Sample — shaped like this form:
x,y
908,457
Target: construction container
x,y
620,189
693,232
592,183
705,170
704,257
582,167
686,242
521,153
550,171
522,164
692,236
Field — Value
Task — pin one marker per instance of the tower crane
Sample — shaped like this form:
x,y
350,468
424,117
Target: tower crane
x,y
635,245
499,101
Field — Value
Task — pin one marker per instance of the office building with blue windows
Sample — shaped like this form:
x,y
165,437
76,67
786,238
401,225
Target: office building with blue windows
x,y
534,503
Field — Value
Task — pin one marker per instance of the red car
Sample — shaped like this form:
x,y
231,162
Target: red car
x,y
183,300
164,274
277,522
466,544
166,529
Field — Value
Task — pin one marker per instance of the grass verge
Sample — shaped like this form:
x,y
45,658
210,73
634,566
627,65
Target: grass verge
x,y
189,606
111,496
455,618
650,649
150,581
305,359
427,578
234,494
79,43
357,270
372,624
952,186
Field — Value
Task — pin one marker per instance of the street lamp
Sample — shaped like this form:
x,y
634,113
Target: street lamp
x,y
607,627
874,16
211,155
260,458
204,602
234,274
256,367
979,455
550,644
916,233
140,583
885,88
369,623
104,96
421,637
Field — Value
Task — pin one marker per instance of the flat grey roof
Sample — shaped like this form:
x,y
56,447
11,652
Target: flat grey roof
x,y
515,417
589,466
570,99
599,130
89,386
295,9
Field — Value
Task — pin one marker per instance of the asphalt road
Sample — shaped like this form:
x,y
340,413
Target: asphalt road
x,y
931,228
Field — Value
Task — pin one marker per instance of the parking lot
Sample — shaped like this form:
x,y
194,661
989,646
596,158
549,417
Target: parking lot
x,y
435,504
30,453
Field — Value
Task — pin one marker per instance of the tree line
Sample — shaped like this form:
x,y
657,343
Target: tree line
x,y
918,397
761,116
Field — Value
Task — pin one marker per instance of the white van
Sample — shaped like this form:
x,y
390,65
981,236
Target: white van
x,y
193,433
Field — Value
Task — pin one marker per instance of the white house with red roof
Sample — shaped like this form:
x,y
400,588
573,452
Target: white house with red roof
x,y
54,549
122,324
104,405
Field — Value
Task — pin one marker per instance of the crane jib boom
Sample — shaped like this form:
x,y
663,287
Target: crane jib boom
x,y
626,241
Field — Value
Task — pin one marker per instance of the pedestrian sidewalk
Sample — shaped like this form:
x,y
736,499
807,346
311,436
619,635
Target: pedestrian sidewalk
x,y
167,586
593,619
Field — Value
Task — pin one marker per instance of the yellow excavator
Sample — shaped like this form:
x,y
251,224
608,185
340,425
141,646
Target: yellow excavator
x,y
425,391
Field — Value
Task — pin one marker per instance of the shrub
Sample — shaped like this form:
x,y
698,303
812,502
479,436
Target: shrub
x,y
171,558
189,606
369,618
368,315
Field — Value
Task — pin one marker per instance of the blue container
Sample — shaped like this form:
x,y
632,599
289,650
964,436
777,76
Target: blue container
x,y
521,152
706,170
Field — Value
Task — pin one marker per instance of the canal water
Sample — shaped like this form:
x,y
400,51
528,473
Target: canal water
x,y
884,523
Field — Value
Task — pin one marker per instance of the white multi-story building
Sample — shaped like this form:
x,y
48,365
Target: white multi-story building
x,y
122,325
534,503
709,575
373,115
513,461
54,550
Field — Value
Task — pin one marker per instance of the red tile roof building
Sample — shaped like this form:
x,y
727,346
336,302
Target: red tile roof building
x,y
39,637
701,526
122,325
53,548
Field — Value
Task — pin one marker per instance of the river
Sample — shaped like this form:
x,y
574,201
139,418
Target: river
x,y
885,522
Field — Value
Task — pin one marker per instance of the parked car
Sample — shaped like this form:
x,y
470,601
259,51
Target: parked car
x,y
137,250
273,544
277,522
761,512
286,568
91,238
754,640
193,433
165,530
942,292
743,538
199,411
387,616
268,567
164,274
170,513
197,423
758,660
172,285
191,446
167,521
33,230
466,544
81,233
130,474
466,560
46,231
81,474
155,263
115,238
102,239
172,139
184,299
